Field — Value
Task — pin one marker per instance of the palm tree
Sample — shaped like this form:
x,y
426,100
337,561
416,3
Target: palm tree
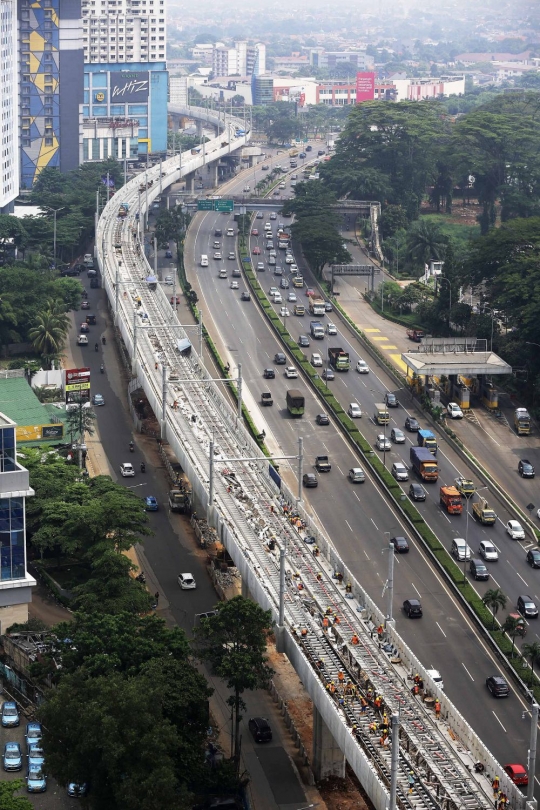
x,y
512,626
425,242
494,598
48,335
532,652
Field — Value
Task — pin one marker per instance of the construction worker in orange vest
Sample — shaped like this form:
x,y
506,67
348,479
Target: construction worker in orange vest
x,y
354,639
437,709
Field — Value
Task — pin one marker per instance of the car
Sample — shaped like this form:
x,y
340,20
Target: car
x,y
400,471
316,360
328,374
302,155
88,259
10,714
328,306
168,254
291,373
234,285
269,245
291,297
245,296
269,374
321,152
91,319
76,789
517,774
94,283
85,305
280,359
256,251
478,569
12,759
218,232
271,260
273,215
254,231
247,188
36,755
259,215
354,410
331,329
310,292
533,557
460,550
33,735
527,607
498,686
356,475
383,443
126,470
488,551
35,779
322,419
515,530
82,340
284,283
289,259
391,400
281,185
83,328
293,268
278,271
71,271
260,729
310,480
98,399
272,291
417,492
150,504
303,341
260,266
187,582
411,424
265,167
91,272
412,608
278,298
361,366
525,468
397,436
400,545
231,255
168,281
436,677
454,411
284,312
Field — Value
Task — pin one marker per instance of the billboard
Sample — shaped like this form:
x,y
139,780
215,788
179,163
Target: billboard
x,y
34,433
77,384
130,86
365,87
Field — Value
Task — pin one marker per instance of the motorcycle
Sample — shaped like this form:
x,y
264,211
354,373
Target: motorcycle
x,y
143,466
96,347
104,340
141,577
102,368
131,447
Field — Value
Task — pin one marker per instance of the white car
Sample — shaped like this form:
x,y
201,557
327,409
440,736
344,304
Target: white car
x,y
316,360
234,285
168,281
454,411
515,530
331,329
488,551
231,255
217,255
247,188
383,443
292,297
126,470
362,367
284,312
291,373
277,298
294,269
272,291
289,259
187,582
436,677
354,410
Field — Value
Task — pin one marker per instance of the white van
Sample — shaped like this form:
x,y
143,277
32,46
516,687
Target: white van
x,y
230,231
204,260
460,549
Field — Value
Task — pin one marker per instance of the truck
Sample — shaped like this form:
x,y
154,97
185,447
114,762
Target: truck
x,y
483,513
424,464
284,240
298,281
322,464
180,500
464,486
295,402
450,498
425,438
317,330
316,306
266,398
381,415
339,358
522,422
415,334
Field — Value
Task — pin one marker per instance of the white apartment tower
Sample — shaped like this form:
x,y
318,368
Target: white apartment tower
x,y
241,60
9,95
118,31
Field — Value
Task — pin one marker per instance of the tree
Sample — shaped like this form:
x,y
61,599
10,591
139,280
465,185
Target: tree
x,y
532,652
12,232
233,642
80,420
110,588
8,801
48,336
282,129
512,626
425,242
393,218
494,599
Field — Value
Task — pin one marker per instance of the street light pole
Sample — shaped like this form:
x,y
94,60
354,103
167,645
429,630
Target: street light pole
x,y
468,498
443,278
390,582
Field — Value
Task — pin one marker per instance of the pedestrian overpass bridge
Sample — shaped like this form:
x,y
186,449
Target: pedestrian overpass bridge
x,y
247,503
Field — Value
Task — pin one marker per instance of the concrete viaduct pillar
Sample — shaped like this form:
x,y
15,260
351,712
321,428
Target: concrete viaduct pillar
x,y
213,173
189,180
328,759
199,125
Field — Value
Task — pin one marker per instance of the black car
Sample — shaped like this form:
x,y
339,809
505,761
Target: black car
x,y
417,492
321,152
412,608
269,374
400,545
280,359
328,374
303,341
302,155
322,419
246,296
533,557
412,424
328,306
527,607
94,283
218,232
260,729
498,686
391,400
310,480
525,468
478,569
90,318
70,271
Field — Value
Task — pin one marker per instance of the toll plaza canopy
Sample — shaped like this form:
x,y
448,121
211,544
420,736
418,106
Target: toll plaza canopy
x,y
449,356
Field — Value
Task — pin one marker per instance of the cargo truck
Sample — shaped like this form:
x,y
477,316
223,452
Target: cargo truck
x,y
180,500
425,438
522,422
424,464
484,513
317,330
381,415
415,334
316,306
450,498
284,240
295,402
339,359
322,464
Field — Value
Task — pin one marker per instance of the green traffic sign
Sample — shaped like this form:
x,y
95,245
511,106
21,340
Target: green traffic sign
x,y
224,205
205,205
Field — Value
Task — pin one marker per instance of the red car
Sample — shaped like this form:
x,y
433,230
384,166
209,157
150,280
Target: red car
x,y
256,251
310,292
254,231
85,305
517,774
83,328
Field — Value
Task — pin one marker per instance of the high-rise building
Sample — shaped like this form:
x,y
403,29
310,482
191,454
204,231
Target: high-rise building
x,y
125,81
240,60
262,90
15,582
51,85
9,94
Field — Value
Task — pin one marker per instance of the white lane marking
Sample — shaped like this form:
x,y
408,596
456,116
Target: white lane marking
x,y
349,525
467,671
372,519
498,721
416,589
440,628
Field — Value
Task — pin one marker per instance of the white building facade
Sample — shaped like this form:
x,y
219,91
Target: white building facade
x,y
121,31
9,94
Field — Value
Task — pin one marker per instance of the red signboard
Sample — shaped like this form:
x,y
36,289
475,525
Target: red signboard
x,y
77,385
365,87
76,375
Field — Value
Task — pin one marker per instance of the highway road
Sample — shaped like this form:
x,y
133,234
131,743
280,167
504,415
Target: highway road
x,y
357,517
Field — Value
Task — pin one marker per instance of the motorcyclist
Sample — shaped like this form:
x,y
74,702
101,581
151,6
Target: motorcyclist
x,y
104,340
143,466
96,347
102,368
131,447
